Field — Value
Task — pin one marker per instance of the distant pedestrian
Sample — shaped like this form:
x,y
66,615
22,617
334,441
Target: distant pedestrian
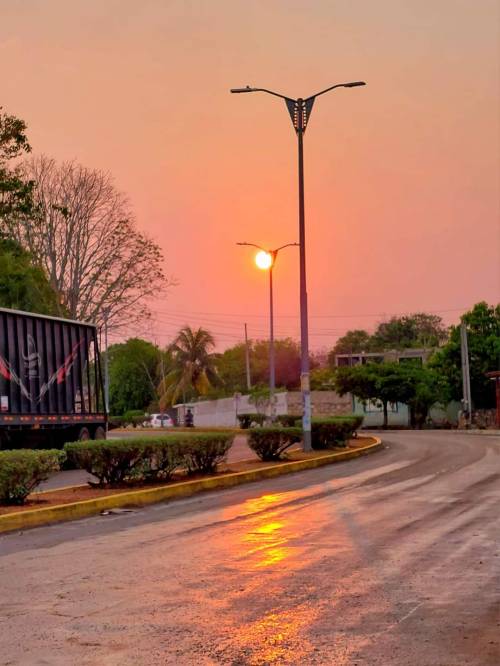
x,y
188,419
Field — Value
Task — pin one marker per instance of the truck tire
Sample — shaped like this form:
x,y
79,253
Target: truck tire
x,y
100,433
84,435
4,440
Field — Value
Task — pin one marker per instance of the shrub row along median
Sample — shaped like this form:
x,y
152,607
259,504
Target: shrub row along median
x,y
271,443
113,462
154,460
79,502
22,470
147,459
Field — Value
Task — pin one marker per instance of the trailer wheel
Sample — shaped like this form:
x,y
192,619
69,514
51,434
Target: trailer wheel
x,y
100,433
84,435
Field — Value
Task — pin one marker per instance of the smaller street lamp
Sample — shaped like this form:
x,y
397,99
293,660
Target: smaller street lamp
x,y
265,260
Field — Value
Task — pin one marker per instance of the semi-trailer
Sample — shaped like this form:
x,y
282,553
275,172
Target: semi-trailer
x,y
51,387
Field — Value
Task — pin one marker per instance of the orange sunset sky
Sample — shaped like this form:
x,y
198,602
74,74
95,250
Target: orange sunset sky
x,y
402,176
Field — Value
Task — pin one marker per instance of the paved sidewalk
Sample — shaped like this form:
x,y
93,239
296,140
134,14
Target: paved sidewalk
x,y
77,477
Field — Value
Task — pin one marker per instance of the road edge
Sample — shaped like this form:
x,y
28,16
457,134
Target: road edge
x,y
136,498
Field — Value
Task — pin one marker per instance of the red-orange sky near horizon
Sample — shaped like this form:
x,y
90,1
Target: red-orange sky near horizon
x,y
402,176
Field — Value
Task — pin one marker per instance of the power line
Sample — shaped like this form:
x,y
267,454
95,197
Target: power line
x,y
231,331
180,313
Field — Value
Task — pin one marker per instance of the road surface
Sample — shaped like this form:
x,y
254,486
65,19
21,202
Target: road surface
x,y
392,559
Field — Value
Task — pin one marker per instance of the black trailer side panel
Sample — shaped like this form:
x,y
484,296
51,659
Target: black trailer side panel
x,y
48,366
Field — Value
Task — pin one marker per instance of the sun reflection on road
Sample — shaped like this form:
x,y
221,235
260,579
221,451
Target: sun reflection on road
x,y
277,637
266,541
269,547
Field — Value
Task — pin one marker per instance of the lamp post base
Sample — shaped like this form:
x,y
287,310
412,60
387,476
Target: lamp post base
x,y
306,413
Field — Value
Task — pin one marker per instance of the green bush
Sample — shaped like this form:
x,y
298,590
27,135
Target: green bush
x,y
115,422
202,453
134,417
248,420
271,443
112,461
22,470
121,461
161,459
290,420
327,433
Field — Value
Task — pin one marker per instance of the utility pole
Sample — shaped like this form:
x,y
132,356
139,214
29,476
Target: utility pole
x,y
106,366
247,359
467,398
163,385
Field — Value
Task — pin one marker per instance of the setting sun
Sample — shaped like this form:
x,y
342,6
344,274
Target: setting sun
x,y
263,260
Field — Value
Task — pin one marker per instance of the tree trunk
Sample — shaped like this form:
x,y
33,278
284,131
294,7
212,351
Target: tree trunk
x,y
413,417
386,418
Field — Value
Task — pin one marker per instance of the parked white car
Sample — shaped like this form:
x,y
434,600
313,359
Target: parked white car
x,y
159,421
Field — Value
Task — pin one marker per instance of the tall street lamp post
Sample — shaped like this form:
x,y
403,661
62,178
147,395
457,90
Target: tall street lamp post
x,y
265,259
300,111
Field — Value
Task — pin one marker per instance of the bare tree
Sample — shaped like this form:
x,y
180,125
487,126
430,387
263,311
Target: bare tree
x,y
85,237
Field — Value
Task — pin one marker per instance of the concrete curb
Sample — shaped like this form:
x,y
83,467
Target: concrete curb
x,y
62,512
484,433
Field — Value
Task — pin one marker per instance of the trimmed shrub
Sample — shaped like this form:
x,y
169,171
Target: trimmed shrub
x,y
23,469
115,422
202,453
134,417
290,420
112,461
248,420
327,433
271,443
120,461
160,460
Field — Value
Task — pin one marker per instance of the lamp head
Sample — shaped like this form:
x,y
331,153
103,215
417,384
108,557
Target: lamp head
x,y
264,260
354,84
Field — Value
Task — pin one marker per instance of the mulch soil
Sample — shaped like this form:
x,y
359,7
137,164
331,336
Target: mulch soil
x,y
80,493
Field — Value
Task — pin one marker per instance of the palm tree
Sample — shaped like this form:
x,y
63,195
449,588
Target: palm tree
x,y
193,368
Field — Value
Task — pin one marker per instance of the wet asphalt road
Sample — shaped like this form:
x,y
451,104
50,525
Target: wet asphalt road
x,y
389,559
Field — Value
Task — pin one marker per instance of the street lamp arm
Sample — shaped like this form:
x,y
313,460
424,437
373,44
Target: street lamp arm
x,y
287,245
351,84
253,245
265,90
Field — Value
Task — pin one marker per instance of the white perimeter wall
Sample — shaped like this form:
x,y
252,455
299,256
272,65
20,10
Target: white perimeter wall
x,y
223,412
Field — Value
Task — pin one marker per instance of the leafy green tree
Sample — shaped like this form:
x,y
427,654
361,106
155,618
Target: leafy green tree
x,y
260,396
322,379
15,190
23,285
286,358
352,342
231,369
134,373
410,331
483,334
231,365
379,382
193,370
427,389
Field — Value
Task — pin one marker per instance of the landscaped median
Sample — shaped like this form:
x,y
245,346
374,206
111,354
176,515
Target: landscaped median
x,y
82,501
